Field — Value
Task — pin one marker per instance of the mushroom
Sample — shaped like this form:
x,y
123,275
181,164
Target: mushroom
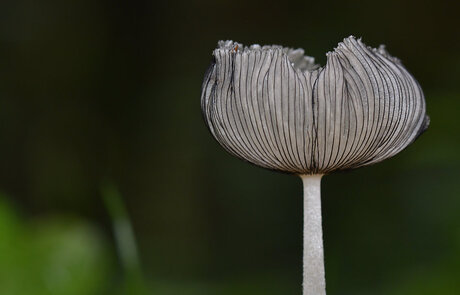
x,y
274,107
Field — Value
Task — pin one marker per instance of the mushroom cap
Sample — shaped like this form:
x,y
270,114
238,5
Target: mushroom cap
x,y
274,107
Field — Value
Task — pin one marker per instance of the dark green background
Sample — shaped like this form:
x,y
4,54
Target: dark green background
x,y
108,91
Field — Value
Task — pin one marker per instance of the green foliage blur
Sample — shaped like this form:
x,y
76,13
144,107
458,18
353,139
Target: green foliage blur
x,y
111,183
51,255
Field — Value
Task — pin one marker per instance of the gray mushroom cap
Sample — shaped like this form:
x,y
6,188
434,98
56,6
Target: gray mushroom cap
x,y
274,107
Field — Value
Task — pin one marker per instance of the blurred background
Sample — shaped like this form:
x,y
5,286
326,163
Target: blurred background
x,y
110,182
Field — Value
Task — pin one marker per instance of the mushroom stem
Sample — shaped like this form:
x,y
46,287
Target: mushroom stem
x,y
314,282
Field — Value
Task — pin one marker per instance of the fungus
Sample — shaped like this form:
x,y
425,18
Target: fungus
x,y
274,107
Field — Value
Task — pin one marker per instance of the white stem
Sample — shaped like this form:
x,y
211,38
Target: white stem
x,y
314,282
